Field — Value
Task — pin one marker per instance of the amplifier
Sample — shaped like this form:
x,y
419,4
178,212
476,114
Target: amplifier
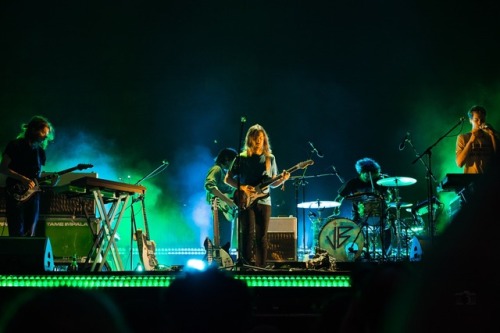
x,y
282,239
68,236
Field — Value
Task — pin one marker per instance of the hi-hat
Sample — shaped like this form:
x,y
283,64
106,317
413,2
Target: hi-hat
x,y
318,204
396,181
399,204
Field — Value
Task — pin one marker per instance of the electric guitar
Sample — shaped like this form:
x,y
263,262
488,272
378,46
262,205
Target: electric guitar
x,y
216,254
22,193
244,197
146,246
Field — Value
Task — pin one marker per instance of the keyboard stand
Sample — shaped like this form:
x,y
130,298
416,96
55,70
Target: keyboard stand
x,y
104,242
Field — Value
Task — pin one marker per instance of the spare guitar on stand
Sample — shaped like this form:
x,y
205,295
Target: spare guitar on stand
x,y
215,254
145,246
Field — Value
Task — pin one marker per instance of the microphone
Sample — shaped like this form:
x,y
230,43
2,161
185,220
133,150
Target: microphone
x,y
165,162
462,119
485,126
320,155
243,119
403,142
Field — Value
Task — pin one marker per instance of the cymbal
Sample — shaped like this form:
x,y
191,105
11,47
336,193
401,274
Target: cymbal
x,y
396,181
318,204
401,204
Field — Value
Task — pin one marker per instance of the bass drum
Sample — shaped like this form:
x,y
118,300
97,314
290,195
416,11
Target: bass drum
x,y
342,239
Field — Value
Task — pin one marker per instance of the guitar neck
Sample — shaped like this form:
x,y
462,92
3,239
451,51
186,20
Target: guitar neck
x,y
65,171
146,227
268,182
215,213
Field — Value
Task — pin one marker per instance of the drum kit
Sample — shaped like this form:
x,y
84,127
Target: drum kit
x,y
346,240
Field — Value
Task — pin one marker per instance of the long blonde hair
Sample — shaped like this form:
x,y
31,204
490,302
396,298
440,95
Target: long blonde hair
x,y
252,133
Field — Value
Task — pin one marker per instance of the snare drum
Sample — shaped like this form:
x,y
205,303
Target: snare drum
x,y
342,239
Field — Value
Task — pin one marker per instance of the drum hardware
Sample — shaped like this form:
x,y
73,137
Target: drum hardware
x,y
396,182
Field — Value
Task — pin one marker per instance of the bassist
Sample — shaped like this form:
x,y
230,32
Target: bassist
x,y
254,164
22,162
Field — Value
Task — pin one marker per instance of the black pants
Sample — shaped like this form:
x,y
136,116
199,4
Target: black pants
x,y
253,225
22,217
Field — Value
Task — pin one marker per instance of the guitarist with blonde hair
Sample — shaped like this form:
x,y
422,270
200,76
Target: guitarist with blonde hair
x,y
253,166
22,162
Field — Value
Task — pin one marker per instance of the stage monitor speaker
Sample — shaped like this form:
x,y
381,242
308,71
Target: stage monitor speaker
x,y
282,239
418,246
26,255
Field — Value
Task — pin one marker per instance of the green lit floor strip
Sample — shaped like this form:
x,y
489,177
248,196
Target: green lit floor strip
x,y
87,281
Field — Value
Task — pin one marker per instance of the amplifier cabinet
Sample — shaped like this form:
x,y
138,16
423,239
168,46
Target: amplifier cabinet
x,y
68,236
282,239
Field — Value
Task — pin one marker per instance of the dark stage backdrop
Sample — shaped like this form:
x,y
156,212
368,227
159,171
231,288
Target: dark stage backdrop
x,y
130,84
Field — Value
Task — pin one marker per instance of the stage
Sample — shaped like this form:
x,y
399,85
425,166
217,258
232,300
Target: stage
x,y
288,296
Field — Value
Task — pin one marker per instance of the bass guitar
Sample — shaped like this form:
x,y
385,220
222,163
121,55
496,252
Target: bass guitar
x,y
22,193
146,246
216,254
245,197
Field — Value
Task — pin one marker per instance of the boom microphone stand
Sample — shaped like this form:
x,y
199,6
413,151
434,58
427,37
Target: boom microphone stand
x,y
164,164
301,182
430,178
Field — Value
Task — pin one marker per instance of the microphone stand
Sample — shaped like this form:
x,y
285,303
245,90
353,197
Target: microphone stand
x,y
133,227
430,178
301,182
241,262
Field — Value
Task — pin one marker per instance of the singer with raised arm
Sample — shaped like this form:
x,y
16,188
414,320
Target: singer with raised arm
x,y
255,165
477,150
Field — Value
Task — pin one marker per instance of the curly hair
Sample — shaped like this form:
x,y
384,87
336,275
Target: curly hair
x,y
367,164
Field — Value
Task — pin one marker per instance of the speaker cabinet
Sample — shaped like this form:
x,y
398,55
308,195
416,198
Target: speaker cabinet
x,y
282,239
418,246
29,255
68,236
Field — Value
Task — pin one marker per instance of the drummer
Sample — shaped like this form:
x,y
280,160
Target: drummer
x,y
363,189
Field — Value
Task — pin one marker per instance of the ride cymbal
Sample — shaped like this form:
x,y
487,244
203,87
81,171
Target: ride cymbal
x,y
396,181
